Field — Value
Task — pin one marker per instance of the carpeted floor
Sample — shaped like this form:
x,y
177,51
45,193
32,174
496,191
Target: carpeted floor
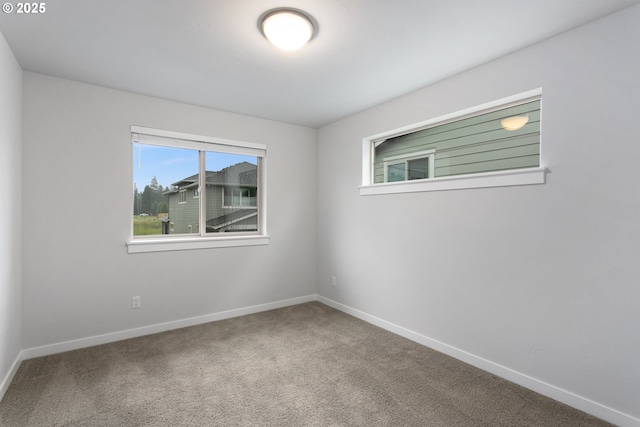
x,y
307,365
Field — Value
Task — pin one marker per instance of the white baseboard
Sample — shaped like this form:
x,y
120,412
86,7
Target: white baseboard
x,y
4,385
46,350
594,408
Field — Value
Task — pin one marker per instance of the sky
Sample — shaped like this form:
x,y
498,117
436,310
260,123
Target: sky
x,y
170,165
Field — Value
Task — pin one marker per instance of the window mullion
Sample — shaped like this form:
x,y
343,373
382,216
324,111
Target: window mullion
x,y
202,191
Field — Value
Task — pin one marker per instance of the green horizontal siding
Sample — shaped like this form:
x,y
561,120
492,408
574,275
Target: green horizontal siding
x,y
493,165
518,141
475,144
486,121
487,156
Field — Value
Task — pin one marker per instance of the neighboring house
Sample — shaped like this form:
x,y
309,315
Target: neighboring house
x,y
231,201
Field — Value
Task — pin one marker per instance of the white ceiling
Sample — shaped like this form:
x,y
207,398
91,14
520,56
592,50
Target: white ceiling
x,y
210,52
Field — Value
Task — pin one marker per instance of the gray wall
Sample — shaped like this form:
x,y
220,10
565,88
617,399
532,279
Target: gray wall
x,y
79,279
10,213
539,279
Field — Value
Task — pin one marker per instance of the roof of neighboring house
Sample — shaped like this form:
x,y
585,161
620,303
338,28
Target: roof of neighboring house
x,y
243,174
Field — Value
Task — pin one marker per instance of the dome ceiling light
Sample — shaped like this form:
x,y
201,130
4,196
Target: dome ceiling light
x,y
514,123
287,28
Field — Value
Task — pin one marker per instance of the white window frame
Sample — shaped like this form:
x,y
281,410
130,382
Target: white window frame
x,y
512,177
204,240
182,197
406,158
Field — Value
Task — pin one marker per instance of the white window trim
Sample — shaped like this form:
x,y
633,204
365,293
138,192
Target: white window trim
x,y
182,194
400,158
199,142
181,244
504,178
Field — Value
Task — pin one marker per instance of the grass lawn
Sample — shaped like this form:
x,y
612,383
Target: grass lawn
x,y
146,225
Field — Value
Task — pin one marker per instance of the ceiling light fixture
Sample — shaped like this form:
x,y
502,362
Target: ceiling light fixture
x,y
514,123
287,28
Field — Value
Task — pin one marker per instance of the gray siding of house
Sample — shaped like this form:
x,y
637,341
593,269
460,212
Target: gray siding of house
x,y
214,201
173,203
477,144
181,215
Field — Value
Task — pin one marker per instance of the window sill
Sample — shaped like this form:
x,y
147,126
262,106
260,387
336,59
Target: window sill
x,y
181,244
529,176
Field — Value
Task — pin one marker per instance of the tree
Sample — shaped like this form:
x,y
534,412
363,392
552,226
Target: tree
x,y
136,200
163,207
146,200
151,200
154,184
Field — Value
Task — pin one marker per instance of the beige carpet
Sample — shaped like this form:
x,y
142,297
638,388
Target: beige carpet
x,y
307,365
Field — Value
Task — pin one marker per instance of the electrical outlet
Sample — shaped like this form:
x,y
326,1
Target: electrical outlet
x,y
135,302
333,281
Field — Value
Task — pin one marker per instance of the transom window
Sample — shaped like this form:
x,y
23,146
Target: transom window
x,y
479,147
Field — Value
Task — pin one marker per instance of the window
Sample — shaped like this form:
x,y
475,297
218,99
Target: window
x,y
495,144
239,197
418,165
226,179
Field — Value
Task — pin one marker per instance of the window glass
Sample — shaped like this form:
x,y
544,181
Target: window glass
x,y
396,172
231,192
190,187
499,139
418,168
161,176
